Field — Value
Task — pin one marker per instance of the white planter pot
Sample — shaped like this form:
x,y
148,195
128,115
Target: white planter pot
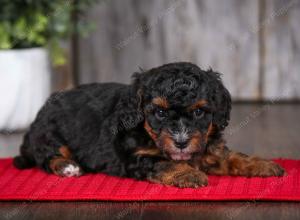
x,y
24,86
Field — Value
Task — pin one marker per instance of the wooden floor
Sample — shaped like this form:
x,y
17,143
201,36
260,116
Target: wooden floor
x,y
270,131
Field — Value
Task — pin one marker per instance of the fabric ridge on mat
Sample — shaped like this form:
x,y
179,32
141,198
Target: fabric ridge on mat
x,y
36,185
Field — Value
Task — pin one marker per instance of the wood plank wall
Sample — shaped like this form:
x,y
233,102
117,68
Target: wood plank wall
x,y
254,43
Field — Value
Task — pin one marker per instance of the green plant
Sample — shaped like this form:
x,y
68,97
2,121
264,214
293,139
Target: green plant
x,y
40,23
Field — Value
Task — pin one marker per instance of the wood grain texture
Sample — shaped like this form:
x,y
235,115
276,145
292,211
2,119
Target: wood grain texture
x,y
282,55
150,210
132,34
255,47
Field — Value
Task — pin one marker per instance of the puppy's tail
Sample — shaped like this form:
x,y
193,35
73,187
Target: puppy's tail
x,y
22,162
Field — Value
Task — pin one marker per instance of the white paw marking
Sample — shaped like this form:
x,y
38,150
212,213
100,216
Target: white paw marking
x,y
71,170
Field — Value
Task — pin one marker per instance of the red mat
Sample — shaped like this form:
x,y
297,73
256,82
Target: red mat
x,y
35,185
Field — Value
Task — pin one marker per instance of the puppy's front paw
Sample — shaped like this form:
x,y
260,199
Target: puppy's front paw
x,y
191,179
178,174
265,168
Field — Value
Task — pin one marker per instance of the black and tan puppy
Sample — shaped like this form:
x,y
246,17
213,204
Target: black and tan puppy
x,y
166,128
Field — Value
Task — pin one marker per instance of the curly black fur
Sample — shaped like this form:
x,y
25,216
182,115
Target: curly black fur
x,y
104,124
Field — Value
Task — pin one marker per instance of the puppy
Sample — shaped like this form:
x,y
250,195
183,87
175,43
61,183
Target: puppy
x,y
166,127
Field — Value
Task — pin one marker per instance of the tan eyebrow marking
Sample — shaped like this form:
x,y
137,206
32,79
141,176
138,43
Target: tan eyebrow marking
x,y
197,104
161,102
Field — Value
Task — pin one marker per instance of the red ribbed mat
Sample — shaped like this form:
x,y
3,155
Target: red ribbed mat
x,y
34,185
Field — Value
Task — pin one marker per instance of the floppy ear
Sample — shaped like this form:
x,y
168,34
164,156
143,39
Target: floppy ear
x,y
222,102
129,113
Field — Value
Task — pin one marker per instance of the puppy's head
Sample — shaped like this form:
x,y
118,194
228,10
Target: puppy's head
x,y
183,107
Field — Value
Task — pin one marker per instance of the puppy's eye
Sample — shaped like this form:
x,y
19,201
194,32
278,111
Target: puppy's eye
x,y
161,114
199,113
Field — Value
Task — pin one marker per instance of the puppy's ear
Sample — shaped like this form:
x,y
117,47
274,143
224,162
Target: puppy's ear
x,y
222,102
129,113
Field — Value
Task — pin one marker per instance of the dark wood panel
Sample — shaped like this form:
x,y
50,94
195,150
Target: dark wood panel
x,y
150,210
282,49
254,43
132,34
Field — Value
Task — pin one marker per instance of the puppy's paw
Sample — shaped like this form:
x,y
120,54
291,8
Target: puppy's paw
x,y
179,174
70,170
65,168
265,168
191,179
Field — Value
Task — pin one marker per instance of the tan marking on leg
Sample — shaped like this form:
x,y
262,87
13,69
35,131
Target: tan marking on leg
x,y
65,152
150,151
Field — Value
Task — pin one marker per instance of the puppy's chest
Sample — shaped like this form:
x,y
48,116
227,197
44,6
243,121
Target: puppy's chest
x,y
129,141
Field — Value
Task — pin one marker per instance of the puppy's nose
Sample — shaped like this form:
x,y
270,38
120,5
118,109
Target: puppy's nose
x,y
181,145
